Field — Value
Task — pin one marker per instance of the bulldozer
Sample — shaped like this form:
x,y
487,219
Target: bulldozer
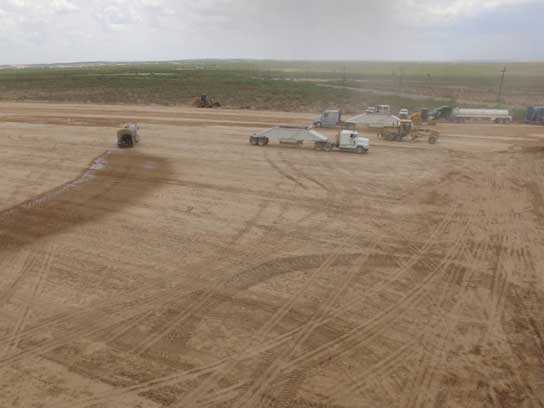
x,y
405,129
128,135
204,101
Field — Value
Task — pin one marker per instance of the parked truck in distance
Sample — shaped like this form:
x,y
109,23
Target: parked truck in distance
x,y
461,115
535,115
345,140
329,119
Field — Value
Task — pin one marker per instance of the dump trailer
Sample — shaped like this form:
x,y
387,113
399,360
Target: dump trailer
x,y
535,115
462,115
128,136
378,118
345,140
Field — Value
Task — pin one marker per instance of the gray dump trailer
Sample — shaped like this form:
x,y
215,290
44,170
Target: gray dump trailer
x,y
345,140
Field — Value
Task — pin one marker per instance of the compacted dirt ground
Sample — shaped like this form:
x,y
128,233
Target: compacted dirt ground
x,y
200,271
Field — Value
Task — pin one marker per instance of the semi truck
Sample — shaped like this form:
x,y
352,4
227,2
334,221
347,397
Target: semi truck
x,y
462,115
345,140
535,115
330,119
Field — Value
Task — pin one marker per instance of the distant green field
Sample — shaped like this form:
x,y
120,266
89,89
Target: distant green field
x,y
280,85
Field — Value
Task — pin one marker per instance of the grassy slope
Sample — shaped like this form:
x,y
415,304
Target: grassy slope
x,y
260,84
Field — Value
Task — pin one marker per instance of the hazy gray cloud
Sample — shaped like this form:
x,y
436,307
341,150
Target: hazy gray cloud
x,y
33,31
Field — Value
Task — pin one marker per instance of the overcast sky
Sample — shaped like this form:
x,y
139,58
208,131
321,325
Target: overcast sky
x,y
44,31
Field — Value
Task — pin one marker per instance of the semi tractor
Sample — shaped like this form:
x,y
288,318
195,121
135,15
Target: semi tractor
x,y
535,115
345,140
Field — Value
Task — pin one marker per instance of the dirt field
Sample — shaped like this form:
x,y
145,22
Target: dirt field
x,y
200,271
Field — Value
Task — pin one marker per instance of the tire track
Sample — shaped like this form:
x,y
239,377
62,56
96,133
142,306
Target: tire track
x,y
281,171
285,338
191,398
44,267
274,369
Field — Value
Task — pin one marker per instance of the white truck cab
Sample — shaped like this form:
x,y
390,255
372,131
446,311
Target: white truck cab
x,y
351,140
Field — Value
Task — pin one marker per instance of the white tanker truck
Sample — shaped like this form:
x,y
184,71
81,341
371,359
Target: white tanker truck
x,y
461,115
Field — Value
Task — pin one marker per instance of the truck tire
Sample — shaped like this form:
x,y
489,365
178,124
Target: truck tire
x,y
361,150
432,139
262,141
253,141
327,147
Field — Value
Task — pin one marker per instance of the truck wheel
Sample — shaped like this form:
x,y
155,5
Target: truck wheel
x,y
262,141
432,139
253,141
360,150
328,147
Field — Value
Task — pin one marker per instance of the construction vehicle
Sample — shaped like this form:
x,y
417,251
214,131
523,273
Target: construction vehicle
x,y
204,101
461,115
426,117
404,113
345,140
383,109
330,118
441,113
535,115
407,129
128,136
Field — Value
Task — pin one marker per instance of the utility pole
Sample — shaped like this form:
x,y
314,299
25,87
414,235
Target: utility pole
x,y
430,82
344,78
501,84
